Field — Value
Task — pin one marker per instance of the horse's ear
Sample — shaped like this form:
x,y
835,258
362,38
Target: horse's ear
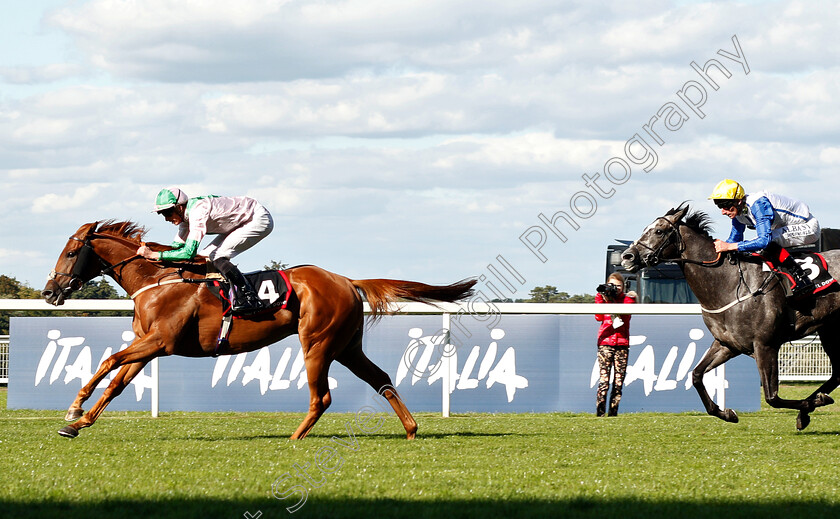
x,y
680,212
86,230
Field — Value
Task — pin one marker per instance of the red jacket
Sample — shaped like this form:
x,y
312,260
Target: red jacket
x,y
607,335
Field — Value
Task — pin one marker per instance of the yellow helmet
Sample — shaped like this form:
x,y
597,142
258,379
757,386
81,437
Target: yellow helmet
x,y
728,190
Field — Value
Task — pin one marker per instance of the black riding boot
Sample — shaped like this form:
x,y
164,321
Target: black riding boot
x,y
802,284
245,299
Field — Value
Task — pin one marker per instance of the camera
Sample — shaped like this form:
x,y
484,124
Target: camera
x,y
608,290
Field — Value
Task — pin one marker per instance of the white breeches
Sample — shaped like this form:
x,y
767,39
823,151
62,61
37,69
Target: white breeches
x,y
242,238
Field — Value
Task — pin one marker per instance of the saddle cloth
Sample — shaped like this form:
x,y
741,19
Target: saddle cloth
x,y
272,287
814,266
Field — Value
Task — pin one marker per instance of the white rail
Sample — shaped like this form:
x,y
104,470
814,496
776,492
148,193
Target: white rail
x,y
71,305
802,360
4,359
99,305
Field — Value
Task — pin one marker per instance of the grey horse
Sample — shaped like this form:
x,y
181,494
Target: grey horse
x,y
744,307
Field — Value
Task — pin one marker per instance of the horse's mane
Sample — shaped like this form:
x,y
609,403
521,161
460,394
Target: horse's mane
x,y
128,230
698,221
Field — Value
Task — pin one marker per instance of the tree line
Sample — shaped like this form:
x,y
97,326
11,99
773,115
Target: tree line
x,y
11,288
550,294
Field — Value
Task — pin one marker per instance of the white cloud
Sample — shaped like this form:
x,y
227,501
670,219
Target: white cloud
x,y
402,128
41,74
223,41
55,203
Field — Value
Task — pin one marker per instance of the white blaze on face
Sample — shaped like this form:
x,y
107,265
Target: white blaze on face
x,y
645,232
649,228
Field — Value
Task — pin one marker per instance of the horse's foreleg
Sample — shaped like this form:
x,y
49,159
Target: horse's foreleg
x,y
717,355
123,377
142,349
319,395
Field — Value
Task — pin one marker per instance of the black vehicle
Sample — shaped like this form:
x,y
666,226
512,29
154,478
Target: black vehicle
x,y
664,283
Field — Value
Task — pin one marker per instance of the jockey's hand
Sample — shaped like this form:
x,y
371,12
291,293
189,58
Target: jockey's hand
x,y
722,246
148,253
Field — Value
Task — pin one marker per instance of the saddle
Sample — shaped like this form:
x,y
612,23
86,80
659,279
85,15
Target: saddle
x,y
812,263
272,287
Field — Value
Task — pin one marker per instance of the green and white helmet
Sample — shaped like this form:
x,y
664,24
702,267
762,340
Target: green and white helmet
x,y
169,198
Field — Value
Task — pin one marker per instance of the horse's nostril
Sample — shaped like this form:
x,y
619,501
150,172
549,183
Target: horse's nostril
x,y
628,256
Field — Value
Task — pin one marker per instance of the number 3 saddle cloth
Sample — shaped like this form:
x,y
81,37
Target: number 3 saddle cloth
x,y
815,268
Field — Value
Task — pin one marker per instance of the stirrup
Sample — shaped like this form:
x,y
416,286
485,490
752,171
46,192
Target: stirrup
x,y
802,289
245,302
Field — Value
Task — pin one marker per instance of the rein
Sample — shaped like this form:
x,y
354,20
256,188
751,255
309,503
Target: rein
x,y
681,247
76,275
675,231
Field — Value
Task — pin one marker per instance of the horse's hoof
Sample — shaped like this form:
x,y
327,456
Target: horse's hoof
x,y
802,420
68,432
73,414
823,399
730,416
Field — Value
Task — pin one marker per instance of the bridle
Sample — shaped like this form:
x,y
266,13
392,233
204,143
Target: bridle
x,y
674,236
83,256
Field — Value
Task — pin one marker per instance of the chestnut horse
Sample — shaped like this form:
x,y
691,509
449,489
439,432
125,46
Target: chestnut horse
x,y
173,317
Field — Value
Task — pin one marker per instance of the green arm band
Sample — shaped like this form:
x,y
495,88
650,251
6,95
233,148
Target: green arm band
x,y
186,252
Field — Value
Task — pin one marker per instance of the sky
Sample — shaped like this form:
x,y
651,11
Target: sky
x,y
424,140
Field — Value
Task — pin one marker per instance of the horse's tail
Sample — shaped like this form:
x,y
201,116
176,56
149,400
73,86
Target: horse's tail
x,y
381,292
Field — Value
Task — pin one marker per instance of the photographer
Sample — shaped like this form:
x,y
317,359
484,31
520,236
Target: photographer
x,y
613,343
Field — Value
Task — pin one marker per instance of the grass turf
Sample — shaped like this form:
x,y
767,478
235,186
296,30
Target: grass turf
x,y
478,465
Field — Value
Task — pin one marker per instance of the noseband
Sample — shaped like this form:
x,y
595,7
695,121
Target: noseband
x,y
655,257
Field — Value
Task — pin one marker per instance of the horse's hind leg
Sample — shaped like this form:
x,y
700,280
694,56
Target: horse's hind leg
x,y
123,377
767,360
317,368
830,339
361,366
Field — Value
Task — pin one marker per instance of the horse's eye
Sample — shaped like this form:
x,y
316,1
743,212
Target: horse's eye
x,y
658,231
71,254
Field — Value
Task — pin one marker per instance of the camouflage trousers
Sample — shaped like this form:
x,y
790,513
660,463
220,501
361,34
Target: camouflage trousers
x,y
610,358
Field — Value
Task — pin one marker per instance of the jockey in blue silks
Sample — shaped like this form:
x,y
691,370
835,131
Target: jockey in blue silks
x,y
779,221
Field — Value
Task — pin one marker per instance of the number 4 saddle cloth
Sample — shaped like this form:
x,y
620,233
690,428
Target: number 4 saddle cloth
x,y
272,287
814,266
